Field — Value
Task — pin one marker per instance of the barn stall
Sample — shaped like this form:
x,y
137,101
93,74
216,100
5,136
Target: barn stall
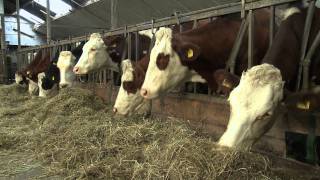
x,y
202,119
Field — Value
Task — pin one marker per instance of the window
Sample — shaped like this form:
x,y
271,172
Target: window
x,y
57,6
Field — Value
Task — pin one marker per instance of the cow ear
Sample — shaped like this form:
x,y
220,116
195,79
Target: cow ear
x,y
189,52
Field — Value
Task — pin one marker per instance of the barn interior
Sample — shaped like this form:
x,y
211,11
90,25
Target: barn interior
x,y
77,148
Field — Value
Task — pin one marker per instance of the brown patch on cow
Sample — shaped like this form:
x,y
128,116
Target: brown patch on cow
x,y
139,72
162,61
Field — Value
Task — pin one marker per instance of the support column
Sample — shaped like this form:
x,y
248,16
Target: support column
x,y
48,23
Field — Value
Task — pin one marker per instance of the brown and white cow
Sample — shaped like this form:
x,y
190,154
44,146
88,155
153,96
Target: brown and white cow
x,y
177,57
107,52
260,92
30,73
129,100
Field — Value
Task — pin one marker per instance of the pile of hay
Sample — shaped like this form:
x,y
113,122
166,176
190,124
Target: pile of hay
x,y
74,135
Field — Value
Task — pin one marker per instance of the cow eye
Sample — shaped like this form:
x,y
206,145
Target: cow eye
x,y
93,49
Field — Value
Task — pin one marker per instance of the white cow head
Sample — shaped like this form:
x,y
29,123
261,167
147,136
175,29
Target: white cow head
x,y
43,92
94,56
128,99
33,87
18,78
258,94
166,71
66,62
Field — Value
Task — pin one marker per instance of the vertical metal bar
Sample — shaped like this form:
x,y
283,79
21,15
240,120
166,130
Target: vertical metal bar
x,y
18,24
305,38
271,25
137,46
3,48
114,14
48,22
129,46
250,39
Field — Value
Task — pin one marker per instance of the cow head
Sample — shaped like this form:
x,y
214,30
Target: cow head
x,y
66,62
51,77
19,78
253,106
166,68
45,92
94,56
129,99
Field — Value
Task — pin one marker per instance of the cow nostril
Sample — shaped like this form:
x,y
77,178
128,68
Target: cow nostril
x,y
144,92
115,110
63,85
76,69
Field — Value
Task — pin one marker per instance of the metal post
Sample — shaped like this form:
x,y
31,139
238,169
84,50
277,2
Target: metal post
x,y
305,38
137,46
48,22
129,46
271,27
114,14
18,24
250,39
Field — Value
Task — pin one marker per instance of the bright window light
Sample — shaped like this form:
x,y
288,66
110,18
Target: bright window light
x,y
30,17
58,6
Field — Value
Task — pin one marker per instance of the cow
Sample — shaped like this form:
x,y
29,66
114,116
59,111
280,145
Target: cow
x,y
129,99
226,81
59,73
252,117
107,52
177,57
47,80
29,74
21,75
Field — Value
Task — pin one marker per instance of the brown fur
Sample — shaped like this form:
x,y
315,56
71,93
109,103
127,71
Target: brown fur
x,y
226,81
215,41
285,51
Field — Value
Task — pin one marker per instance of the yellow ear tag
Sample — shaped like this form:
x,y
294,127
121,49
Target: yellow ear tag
x,y
54,63
28,72
190,53
52,78
225,83
303,105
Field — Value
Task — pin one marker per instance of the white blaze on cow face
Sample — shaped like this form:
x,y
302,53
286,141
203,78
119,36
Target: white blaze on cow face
x,y
18,78
32,87
43,92
66,62
159,81
258,94
128,103
94,56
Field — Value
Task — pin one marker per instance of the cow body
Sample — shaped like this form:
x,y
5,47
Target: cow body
x,y
177,57
283,57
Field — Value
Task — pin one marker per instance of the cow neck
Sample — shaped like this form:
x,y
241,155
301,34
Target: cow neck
x,y
214,54
285,51
140,69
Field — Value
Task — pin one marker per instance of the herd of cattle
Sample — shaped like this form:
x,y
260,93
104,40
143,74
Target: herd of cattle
x,y
198,54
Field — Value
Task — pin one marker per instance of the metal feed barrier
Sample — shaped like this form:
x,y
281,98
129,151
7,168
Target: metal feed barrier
x,y
206,109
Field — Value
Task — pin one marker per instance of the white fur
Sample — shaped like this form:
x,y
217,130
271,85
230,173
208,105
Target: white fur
x,y
33,87
126,103
289,12
161,81
18,78
259,92
66,62
43,92
147,32
94,56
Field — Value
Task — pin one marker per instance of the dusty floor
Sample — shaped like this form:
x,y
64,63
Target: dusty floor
x,y
75,136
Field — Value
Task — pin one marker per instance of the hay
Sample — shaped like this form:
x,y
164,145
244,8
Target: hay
x,y
75,136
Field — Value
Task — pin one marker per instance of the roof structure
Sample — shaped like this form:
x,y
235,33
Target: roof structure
x,y
96,16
